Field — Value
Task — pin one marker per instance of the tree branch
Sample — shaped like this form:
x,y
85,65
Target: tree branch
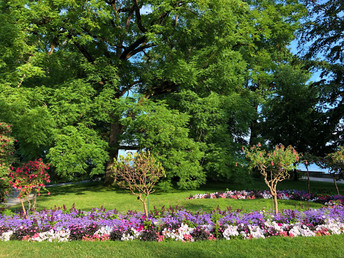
x,y
132,47
138,17
84,52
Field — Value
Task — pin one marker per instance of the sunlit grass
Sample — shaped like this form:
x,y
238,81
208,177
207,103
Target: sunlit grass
x,y
94,195
326,246
91,195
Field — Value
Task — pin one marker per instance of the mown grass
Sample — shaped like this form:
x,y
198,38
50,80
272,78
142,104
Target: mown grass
x,y
326,246
91,195
94,195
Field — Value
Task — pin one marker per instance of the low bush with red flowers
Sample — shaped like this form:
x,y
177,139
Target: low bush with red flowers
x,y
30,178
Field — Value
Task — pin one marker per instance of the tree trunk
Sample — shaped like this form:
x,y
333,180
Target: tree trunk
x,y
254,130
295,175
144,201
114,138
275,203
254,133
335,182
23,207
308,181
34,200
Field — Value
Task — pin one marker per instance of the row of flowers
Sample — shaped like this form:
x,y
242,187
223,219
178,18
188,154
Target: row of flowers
x,y
265,194
169,224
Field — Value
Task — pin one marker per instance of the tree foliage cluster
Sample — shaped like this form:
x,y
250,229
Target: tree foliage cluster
x,y
275,166
191,81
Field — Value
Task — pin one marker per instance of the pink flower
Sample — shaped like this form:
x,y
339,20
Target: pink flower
x,y
187,237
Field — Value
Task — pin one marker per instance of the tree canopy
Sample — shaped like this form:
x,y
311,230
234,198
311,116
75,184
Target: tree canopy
x,y
322,50
185,80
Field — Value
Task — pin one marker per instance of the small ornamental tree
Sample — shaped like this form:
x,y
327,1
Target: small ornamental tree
x,y
31,177
139,173
274,165
6,157
335,161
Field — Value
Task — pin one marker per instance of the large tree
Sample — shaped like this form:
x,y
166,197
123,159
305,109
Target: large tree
x,y
289,115
74,66
322,45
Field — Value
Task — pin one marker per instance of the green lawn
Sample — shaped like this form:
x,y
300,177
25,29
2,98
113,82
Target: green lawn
x,y
93,195
326,246
90,195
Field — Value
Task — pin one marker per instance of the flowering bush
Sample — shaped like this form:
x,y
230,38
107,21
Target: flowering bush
x,y
274,165
172,224
285,195
6,157
28,178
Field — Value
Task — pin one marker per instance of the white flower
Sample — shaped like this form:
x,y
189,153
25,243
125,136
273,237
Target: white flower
x,y
6,235
230,231
256,231
105,230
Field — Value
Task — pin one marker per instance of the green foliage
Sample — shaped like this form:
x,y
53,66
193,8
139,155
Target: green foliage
x,y
274,165
220,123
139,173
335,162
278,162
164,132
289,114
67,68
6,149
32,122
6,157
321,45
78,151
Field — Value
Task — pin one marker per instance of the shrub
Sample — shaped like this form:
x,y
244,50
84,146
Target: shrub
x,y
28,178
6,157
139,173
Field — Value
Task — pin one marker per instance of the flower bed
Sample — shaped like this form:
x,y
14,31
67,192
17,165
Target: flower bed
x,y
285,195
174,224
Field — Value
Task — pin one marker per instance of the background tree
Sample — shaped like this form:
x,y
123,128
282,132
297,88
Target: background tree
x,y
322,45
73,65
164,133
275,24
289,115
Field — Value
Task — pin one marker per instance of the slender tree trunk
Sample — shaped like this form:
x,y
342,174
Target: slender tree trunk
x,y
144,201
34,200
29,203
308,181
23,207
275,203
114,138
254,132
295,175
335,182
